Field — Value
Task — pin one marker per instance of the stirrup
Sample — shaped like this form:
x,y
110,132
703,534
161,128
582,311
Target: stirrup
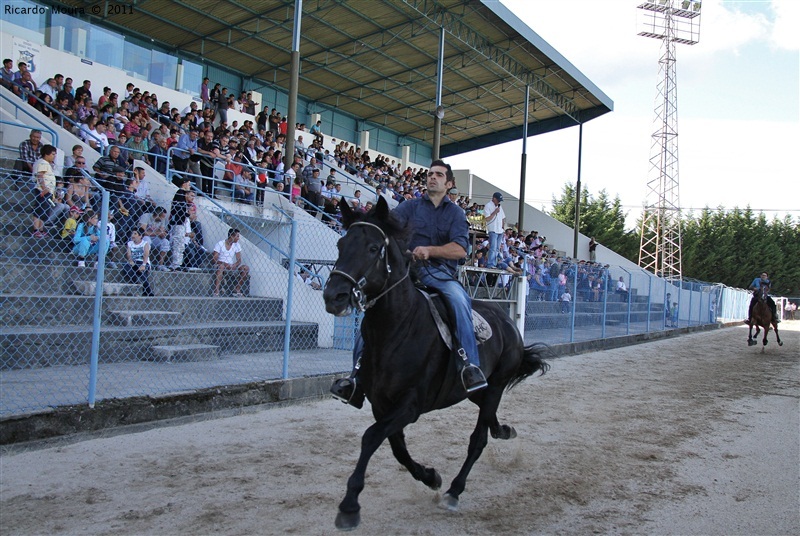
x,y
473,379
346,391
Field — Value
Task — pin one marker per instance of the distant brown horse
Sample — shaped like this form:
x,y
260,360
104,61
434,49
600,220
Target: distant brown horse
x,y
762,317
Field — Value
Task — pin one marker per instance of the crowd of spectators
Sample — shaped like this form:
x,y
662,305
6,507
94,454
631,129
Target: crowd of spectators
x,y
137,126
550,276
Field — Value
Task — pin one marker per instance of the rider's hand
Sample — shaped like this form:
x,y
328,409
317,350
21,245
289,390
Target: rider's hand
x,y
421,253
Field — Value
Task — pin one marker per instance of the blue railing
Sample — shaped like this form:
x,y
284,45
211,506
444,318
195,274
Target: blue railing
x,y
38,119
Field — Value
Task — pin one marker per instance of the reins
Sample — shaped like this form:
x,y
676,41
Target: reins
x,y
359,298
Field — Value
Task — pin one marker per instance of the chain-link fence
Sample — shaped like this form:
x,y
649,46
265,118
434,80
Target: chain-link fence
x,y
188,293
230,293
134,286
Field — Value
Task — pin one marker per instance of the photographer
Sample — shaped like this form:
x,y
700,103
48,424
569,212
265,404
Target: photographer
x,y
495,225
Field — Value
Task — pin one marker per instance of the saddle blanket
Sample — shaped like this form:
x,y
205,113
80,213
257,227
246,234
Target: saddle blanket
x,y
483,331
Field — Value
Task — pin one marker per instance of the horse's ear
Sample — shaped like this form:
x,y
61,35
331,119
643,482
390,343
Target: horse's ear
x,y
348,216
382,209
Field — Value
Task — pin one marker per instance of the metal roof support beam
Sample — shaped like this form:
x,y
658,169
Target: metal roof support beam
x,y
288,158
439,112
442,17
524,164
408,68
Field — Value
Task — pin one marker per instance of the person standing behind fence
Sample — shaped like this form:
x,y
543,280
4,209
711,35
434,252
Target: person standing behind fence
x,y
592,250
178,214
228,258
45,179
495,225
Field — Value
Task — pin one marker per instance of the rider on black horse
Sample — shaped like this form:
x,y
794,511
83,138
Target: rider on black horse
x,y
439,236
755,286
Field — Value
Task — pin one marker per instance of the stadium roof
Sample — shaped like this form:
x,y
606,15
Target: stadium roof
x,y
376,60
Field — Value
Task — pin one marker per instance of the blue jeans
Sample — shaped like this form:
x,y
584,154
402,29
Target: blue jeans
x,y
554,289
494,249
459,303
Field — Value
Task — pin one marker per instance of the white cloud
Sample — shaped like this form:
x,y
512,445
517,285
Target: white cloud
x,y
785,28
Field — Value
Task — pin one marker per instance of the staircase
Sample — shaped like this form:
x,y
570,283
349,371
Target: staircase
x,y
47,306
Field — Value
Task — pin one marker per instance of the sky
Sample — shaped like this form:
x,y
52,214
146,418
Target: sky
x,y
738,108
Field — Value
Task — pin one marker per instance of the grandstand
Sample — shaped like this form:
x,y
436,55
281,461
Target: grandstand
x,y
367,77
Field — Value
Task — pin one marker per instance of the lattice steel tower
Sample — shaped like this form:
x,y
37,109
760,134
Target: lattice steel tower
x,y
660,246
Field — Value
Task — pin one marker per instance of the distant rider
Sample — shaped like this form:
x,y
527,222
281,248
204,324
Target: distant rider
x,y
755,286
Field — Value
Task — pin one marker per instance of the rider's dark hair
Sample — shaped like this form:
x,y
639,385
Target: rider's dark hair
x,y
449,175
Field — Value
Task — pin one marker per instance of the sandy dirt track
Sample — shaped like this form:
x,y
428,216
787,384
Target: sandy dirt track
x,y
698,434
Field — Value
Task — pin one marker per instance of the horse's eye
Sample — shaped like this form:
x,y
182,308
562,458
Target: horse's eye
x,y
373,249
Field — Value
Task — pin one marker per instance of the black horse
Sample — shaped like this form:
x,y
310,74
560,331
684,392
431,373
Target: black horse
x,y
406,368
762,317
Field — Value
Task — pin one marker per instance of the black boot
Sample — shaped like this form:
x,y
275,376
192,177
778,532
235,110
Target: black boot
x,y
348,391
471,375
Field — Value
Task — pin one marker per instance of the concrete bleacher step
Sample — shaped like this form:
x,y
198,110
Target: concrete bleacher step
x,y
143,318
52,273
40,346
88,288
35,309
184,352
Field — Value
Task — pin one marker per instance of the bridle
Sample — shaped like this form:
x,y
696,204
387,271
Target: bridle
x,y
358,298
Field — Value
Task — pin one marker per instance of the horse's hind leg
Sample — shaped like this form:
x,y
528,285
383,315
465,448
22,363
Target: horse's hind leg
x,y
428,476
501,431
477,442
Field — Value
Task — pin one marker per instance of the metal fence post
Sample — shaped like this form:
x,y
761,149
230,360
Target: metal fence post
x,y
649,300
573,306
98,299
287,334
521,303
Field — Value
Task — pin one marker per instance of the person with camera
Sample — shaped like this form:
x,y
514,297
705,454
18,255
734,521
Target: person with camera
x,y
495,227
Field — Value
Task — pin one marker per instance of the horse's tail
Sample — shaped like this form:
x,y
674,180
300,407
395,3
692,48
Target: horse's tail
x,y
532,362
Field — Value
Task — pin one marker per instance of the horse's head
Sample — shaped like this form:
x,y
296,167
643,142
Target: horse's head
x,y
363,269
762,293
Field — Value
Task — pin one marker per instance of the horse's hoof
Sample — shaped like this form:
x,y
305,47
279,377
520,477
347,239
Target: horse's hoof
x,y
449,502
347,521
780,343
504,432
751,343
437,480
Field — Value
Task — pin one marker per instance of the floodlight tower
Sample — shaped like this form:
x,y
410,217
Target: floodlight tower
x,y
672,21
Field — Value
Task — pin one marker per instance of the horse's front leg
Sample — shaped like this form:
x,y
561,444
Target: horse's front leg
x,y
489,402
428,476
750,341
777,337
349,515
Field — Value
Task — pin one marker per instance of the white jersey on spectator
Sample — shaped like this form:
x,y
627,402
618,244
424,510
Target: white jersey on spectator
x,y
228,256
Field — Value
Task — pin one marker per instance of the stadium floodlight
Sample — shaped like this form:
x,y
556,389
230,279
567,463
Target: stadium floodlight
x,y
660,245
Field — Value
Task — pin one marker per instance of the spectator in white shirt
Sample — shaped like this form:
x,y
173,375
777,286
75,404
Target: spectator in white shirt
x,y
228,258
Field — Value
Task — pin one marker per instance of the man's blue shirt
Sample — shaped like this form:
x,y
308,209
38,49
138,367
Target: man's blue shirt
x,y
756,284
185,142
434,226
